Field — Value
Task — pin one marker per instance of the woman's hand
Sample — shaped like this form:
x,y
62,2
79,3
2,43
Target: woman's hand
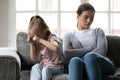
x,y
69,46
93,47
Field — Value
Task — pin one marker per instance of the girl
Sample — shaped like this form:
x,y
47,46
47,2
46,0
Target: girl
x,y
44,44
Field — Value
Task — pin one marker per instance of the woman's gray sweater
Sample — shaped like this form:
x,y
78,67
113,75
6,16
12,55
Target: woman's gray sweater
x,y
100,38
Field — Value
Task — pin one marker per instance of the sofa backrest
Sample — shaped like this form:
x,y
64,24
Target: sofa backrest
x,y
114,49
23,49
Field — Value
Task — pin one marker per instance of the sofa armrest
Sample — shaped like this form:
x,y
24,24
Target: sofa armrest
x,y
10,64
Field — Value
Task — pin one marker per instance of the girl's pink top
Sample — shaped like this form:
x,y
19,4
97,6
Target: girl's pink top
x,y
48,57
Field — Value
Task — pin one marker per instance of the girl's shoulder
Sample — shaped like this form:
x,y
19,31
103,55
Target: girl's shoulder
x,y
52,37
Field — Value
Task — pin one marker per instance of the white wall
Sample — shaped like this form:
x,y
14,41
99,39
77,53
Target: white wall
x,y
7,23
11,23
3,23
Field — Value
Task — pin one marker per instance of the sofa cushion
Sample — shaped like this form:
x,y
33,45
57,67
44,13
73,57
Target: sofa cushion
x,y
23,49
25,75
114,49
117,73
6,71
116,76
60,77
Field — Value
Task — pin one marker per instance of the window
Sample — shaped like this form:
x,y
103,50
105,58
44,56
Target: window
x,y
60,15
107,15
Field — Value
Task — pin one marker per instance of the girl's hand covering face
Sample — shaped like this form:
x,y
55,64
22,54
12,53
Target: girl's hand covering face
x,y
36,38
30,39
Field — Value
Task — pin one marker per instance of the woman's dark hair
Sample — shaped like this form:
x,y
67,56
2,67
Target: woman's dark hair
x,y
85,7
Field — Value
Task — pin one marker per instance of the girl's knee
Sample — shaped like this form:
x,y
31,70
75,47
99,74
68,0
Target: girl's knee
x,y
46,73
36,66
45,69
35,73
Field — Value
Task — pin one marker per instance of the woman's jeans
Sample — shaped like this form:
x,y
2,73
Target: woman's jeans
x,y
92,66
38,72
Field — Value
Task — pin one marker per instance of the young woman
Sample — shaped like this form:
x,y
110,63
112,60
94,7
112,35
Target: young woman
x,y
43,44
91,44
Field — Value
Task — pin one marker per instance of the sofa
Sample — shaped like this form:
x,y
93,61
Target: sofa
x,y
15,63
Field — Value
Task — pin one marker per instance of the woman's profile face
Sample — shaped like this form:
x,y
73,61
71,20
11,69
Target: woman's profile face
x,y
85,19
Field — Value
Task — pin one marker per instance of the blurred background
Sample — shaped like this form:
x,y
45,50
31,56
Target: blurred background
x,y
60,15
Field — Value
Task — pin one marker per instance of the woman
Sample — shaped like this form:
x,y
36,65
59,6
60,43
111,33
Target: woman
x,y
91,44
43,44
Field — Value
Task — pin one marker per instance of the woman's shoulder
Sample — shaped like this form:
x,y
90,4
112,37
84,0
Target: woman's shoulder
x,y
69,36
98,30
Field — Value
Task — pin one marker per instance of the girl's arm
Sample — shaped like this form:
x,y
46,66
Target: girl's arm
x,y
53,45
33,52
33,49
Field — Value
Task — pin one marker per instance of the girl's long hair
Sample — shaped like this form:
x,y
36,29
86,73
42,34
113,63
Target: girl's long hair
x,y
41,27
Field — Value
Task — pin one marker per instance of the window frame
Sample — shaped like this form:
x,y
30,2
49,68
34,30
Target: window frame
x,y
59,12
